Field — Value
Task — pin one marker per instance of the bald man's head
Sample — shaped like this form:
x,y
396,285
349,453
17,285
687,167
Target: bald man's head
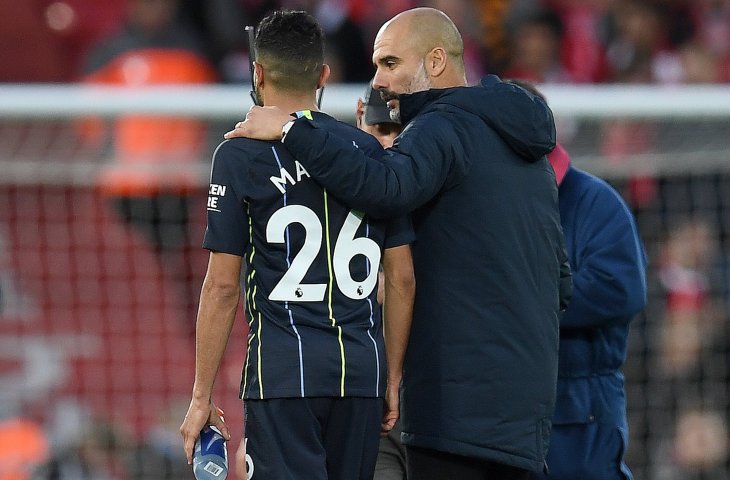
x,y
427,28
417,50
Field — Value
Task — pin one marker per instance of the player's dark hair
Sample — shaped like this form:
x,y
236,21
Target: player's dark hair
x,y
290,47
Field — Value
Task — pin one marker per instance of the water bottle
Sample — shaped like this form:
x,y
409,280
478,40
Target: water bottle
x,y
210,458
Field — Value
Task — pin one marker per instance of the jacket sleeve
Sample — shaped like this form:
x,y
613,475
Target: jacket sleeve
x,y
405,177
609,270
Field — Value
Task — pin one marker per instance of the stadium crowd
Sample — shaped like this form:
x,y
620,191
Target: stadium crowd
x,y
565,41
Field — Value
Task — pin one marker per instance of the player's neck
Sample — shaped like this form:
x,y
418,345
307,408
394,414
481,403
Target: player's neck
x,y
290,103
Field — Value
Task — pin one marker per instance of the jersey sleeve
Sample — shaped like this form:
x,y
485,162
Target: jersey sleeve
x,y
398,232
227,228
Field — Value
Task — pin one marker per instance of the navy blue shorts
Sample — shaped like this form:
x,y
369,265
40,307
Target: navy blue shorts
x,y
324,438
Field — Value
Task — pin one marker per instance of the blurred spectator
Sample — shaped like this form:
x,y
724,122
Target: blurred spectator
x,y
688,390
29,50
79,24
345,49
14,302
691,317
700,64
156,162
535,49
493,17
372,14
640,34
708,24
372,115
220,24
23,446
583,51
159,456
94,455
628,140
701,443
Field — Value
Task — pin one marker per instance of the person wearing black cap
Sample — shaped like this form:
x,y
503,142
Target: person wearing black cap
x,y
373,116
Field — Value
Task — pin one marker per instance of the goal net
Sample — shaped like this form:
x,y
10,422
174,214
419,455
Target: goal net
x,y
103,200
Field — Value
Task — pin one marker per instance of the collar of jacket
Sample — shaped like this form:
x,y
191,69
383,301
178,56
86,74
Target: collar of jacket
x,y
411,104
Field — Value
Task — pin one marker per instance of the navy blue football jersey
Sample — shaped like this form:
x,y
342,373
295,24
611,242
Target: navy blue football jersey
x,y
311,270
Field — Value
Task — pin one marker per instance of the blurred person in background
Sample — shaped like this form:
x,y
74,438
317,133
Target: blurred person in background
x,y
701,65
687,400
23,448
155,163
158,455
692,315
712,19
535,49
346,50
608,263
373,116
582,51
493,18
22,32
639,33
96,453
219,25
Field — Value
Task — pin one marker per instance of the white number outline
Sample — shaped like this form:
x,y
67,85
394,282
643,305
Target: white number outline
x,y
290,287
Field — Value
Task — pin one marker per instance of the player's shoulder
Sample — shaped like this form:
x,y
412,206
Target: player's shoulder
x,y
362,140
240,149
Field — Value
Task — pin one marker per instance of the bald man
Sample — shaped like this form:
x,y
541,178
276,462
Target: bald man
x,y
480,371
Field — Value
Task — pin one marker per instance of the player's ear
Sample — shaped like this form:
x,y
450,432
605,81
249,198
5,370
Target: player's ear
x,y
258,75
323,75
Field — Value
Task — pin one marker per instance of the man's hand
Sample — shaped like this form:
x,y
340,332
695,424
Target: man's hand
x,y
200,414
262,123
392,404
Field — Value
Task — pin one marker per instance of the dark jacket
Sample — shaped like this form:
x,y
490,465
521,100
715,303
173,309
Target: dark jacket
x,y
480,371
609,289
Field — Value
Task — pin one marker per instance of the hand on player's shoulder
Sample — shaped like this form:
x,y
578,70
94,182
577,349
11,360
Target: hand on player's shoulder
x,y
261,123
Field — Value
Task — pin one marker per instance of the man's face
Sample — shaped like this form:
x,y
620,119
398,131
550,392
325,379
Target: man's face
x,y
399,65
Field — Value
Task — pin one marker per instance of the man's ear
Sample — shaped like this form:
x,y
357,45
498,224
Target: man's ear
x,y
258,75
359,112
323,75
436,61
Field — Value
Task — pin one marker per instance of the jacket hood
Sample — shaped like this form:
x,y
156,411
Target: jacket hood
x,y
521,119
